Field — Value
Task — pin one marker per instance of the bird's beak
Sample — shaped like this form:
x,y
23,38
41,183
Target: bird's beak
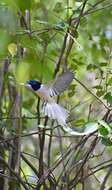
x,y
28,86
25,85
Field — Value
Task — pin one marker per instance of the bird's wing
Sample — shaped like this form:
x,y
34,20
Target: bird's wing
x,y
61,83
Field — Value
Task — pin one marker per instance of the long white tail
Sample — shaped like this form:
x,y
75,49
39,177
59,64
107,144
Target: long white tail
x,y
55,111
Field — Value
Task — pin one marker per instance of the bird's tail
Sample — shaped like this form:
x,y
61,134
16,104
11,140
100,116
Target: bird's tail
x,y
55,111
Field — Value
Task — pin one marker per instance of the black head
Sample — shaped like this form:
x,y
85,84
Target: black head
x,y
35,85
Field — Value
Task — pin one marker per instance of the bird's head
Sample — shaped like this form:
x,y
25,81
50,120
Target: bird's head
x,y
33,85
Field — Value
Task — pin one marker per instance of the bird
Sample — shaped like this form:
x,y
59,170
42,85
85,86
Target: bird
x,y
46,92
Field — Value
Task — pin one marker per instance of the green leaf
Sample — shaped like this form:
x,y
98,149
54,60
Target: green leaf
x,y
43,126
103,64
91,66
104,124
110,81
58,7
79,122
100,93
97,87
12,48
46,37
78,61
104,41
103,131
106,141
104,53
70,94
110,125
108,97
76,34
23,5
83,22
42,22
72,87
61,26
104,128
74,67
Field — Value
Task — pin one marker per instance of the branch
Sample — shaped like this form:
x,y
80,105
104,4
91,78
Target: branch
x,y
59,160
97,98
75,180
15,174
106,178
71,41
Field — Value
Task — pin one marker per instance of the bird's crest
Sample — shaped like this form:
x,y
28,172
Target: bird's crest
x,y
35,85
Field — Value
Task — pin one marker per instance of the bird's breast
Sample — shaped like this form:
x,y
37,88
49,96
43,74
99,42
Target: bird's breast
x,y
43,94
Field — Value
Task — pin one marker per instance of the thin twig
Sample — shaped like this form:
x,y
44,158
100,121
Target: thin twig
x,y
106,178
16,175
76,179
87,89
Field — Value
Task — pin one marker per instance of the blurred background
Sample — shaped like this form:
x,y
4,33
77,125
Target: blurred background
x,y
40,39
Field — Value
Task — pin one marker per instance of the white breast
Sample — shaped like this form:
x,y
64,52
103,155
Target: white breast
x,y
43,93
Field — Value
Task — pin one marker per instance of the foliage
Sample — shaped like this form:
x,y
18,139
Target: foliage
x,y
39,40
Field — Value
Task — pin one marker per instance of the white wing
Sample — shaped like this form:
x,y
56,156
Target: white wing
x,y
60,84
